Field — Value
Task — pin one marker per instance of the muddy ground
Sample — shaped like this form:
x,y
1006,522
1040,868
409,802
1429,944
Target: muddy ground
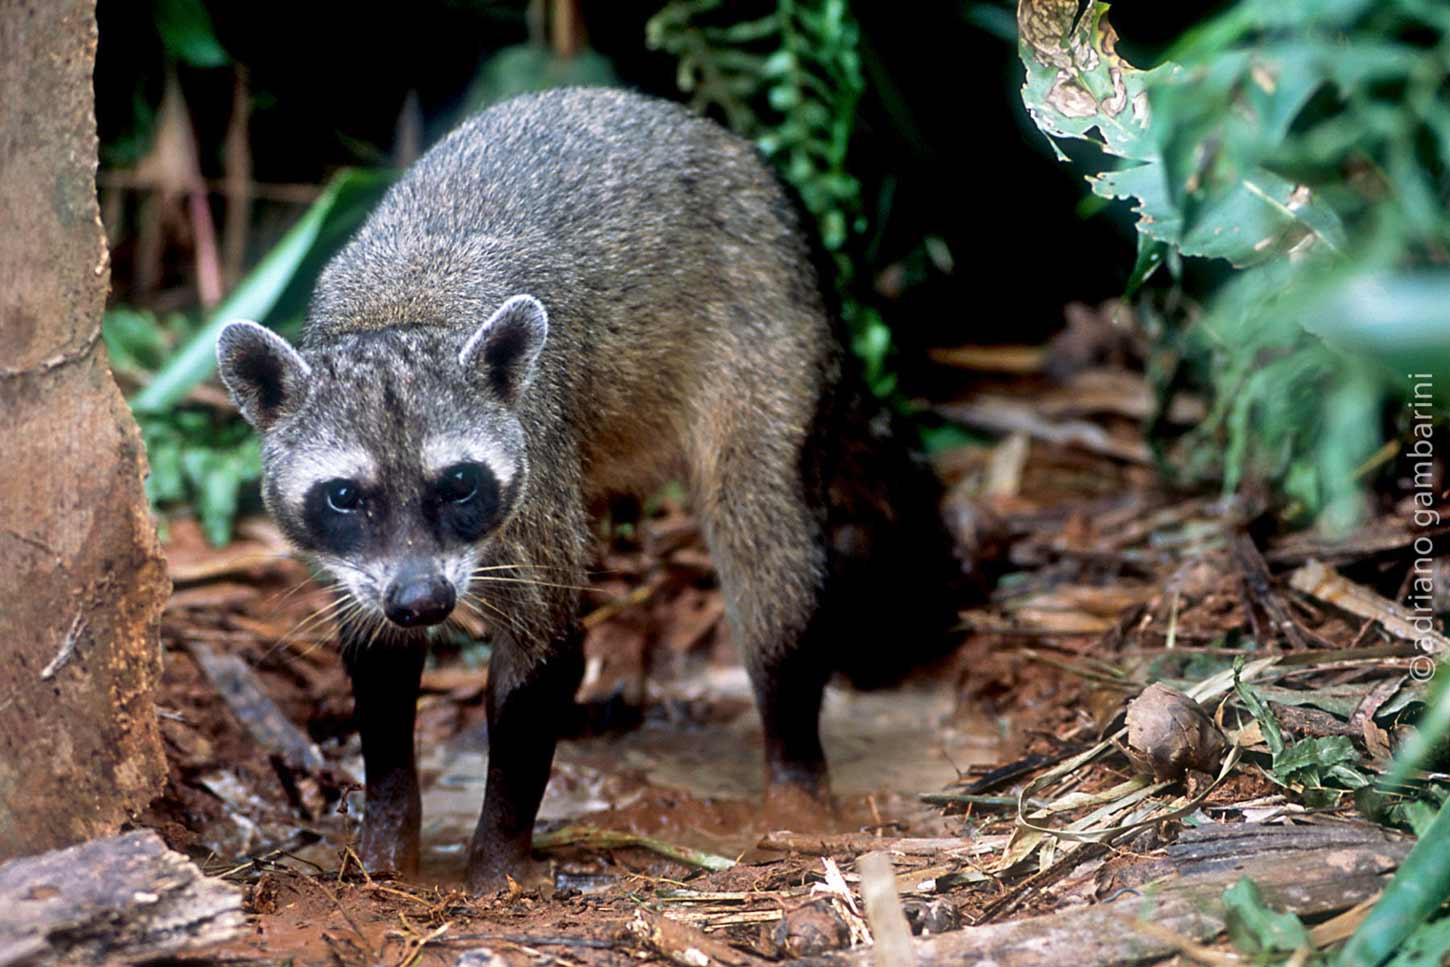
x,y
666,745
1103,580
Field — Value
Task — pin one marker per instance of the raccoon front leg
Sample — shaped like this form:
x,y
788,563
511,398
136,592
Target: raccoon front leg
x,y
537,664
385,683
526,701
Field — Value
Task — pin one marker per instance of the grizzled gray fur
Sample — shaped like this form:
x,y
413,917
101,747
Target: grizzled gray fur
x,y
575,294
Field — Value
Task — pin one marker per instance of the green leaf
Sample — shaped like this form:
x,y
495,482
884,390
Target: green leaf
x,y
1417,814
1246,145
1397,320
1312,761
524,68
1268,722
201,459
1219,204
1338,700
779,64
1077,86
341,208
1428,946
1258,216
187,33
217,476
992,19
749,31
784,97
1430,730
166,482
1419,888
134,338
1256,929
1151,254
949,436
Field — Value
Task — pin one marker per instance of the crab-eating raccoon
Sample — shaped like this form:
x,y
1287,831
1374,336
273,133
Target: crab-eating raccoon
x,y
577,294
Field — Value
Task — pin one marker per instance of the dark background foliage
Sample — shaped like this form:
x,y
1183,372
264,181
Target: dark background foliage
x,y
942,145
944,210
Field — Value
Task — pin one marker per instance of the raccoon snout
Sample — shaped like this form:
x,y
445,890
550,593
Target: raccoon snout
x,y
418,600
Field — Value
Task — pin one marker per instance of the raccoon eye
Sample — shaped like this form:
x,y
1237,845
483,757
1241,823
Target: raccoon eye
x,y
459,483
343,496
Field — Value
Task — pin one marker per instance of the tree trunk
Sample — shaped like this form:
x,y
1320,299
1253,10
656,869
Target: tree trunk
x,y
82,580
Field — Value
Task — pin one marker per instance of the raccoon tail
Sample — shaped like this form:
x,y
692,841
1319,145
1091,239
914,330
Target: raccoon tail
x,y
893,582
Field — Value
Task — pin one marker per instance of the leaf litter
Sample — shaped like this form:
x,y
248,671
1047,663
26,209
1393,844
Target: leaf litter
x,y
1144,671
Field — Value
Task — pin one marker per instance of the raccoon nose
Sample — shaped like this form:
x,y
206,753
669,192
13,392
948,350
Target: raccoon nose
x,y
418,601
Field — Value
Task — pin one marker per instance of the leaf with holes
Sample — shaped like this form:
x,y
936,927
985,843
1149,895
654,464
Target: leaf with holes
x,y
1192,183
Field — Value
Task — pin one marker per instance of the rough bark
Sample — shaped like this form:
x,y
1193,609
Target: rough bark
x,y
123,900
82,581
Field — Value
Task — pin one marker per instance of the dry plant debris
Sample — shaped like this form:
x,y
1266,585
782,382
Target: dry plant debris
x,y
1160,698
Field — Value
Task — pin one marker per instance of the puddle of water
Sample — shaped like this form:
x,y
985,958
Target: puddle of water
x,y
700,784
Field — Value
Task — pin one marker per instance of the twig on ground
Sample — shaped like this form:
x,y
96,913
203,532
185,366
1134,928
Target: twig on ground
x,y
1259,595
1319,581
883,911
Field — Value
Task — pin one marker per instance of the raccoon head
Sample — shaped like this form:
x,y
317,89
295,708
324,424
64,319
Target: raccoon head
x,y
391,457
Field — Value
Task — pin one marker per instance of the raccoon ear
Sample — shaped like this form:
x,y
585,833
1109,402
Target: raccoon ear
x,y
266,377
506,347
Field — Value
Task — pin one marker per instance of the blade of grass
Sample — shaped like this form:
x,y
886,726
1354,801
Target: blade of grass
x,y
595,838
1418,889
1429,732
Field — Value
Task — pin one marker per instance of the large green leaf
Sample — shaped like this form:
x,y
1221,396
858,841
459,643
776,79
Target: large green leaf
x,y
336,213
1077,86
1430,731
523,68
1399,320
1317,760
1429,946
1306,145
186,32
1255,928
1203,203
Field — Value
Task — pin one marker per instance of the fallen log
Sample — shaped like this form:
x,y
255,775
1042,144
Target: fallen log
x,y
123,900
1179,893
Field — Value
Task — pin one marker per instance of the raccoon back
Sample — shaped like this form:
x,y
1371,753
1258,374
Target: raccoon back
x,y
670,262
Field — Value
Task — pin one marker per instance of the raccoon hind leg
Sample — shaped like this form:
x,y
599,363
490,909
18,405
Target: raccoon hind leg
x,y
767,546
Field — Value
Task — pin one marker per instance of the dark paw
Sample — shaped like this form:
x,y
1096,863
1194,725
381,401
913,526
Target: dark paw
x,y
385,848
801,806
488,876
806,776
